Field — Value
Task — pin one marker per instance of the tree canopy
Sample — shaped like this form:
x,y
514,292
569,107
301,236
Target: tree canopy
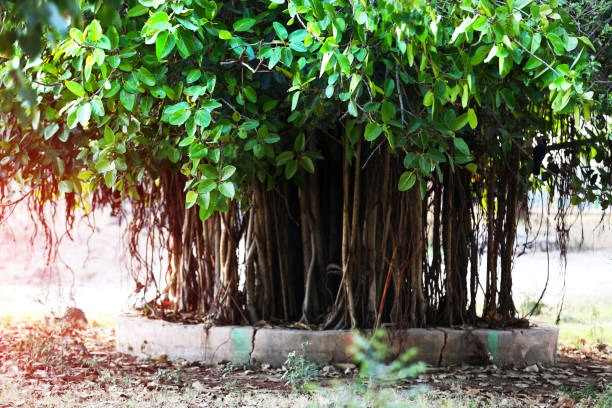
x,y
368,112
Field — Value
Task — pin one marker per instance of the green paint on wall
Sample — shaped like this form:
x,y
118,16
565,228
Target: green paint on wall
x,y
493,344
242,344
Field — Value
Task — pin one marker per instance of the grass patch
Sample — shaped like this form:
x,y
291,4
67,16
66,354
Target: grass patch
x,y
581,323
590,396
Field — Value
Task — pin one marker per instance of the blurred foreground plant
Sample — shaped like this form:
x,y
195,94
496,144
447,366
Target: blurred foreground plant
x,y
378,378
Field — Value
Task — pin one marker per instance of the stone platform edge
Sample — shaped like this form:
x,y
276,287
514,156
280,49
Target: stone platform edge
x,y
246,345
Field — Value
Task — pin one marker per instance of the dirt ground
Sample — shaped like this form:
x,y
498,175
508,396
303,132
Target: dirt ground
x,y
55,363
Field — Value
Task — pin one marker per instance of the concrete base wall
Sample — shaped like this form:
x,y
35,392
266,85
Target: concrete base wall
x,y
245,345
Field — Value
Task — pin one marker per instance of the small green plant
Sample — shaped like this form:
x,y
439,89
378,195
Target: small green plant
x,y
170,376
91,362
371,356
229,368
106,377
377,376
300,371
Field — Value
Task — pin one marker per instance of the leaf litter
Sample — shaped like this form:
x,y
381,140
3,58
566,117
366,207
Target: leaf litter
x,y
49,359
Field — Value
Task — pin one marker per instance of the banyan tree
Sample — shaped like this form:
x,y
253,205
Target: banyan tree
x,y
330,163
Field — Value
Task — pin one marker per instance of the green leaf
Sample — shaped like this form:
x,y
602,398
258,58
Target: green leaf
x,y
465,95
159,21
176,114
507,42
137,10
164,44
389,87
535,42
291,169
210,171
193,75
300,143
188,24
89,61
50,131
298,36
225,35
344,63
571,43
428,99
410,160
197,151
460,121
355,81
532,63
479,55
227,189
352,109
281,31
406,181
284,157
186,141
249,125
294,100
191,199
72,119
275,56
587,42
152,3
127,100
461,146
561,100
227,172
372,131
207,186
557,43
145,76
195,91
492,53
183,39
521,4
113,61
324,61
250,94
204,202
203,118
244,24
388,111
472,119
307,164
94,31
104,43
84,114
208,207
97,107
465,24
109,135
211,104
75,88
110,178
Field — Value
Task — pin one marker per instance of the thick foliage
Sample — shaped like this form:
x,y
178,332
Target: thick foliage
x,y
223,89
